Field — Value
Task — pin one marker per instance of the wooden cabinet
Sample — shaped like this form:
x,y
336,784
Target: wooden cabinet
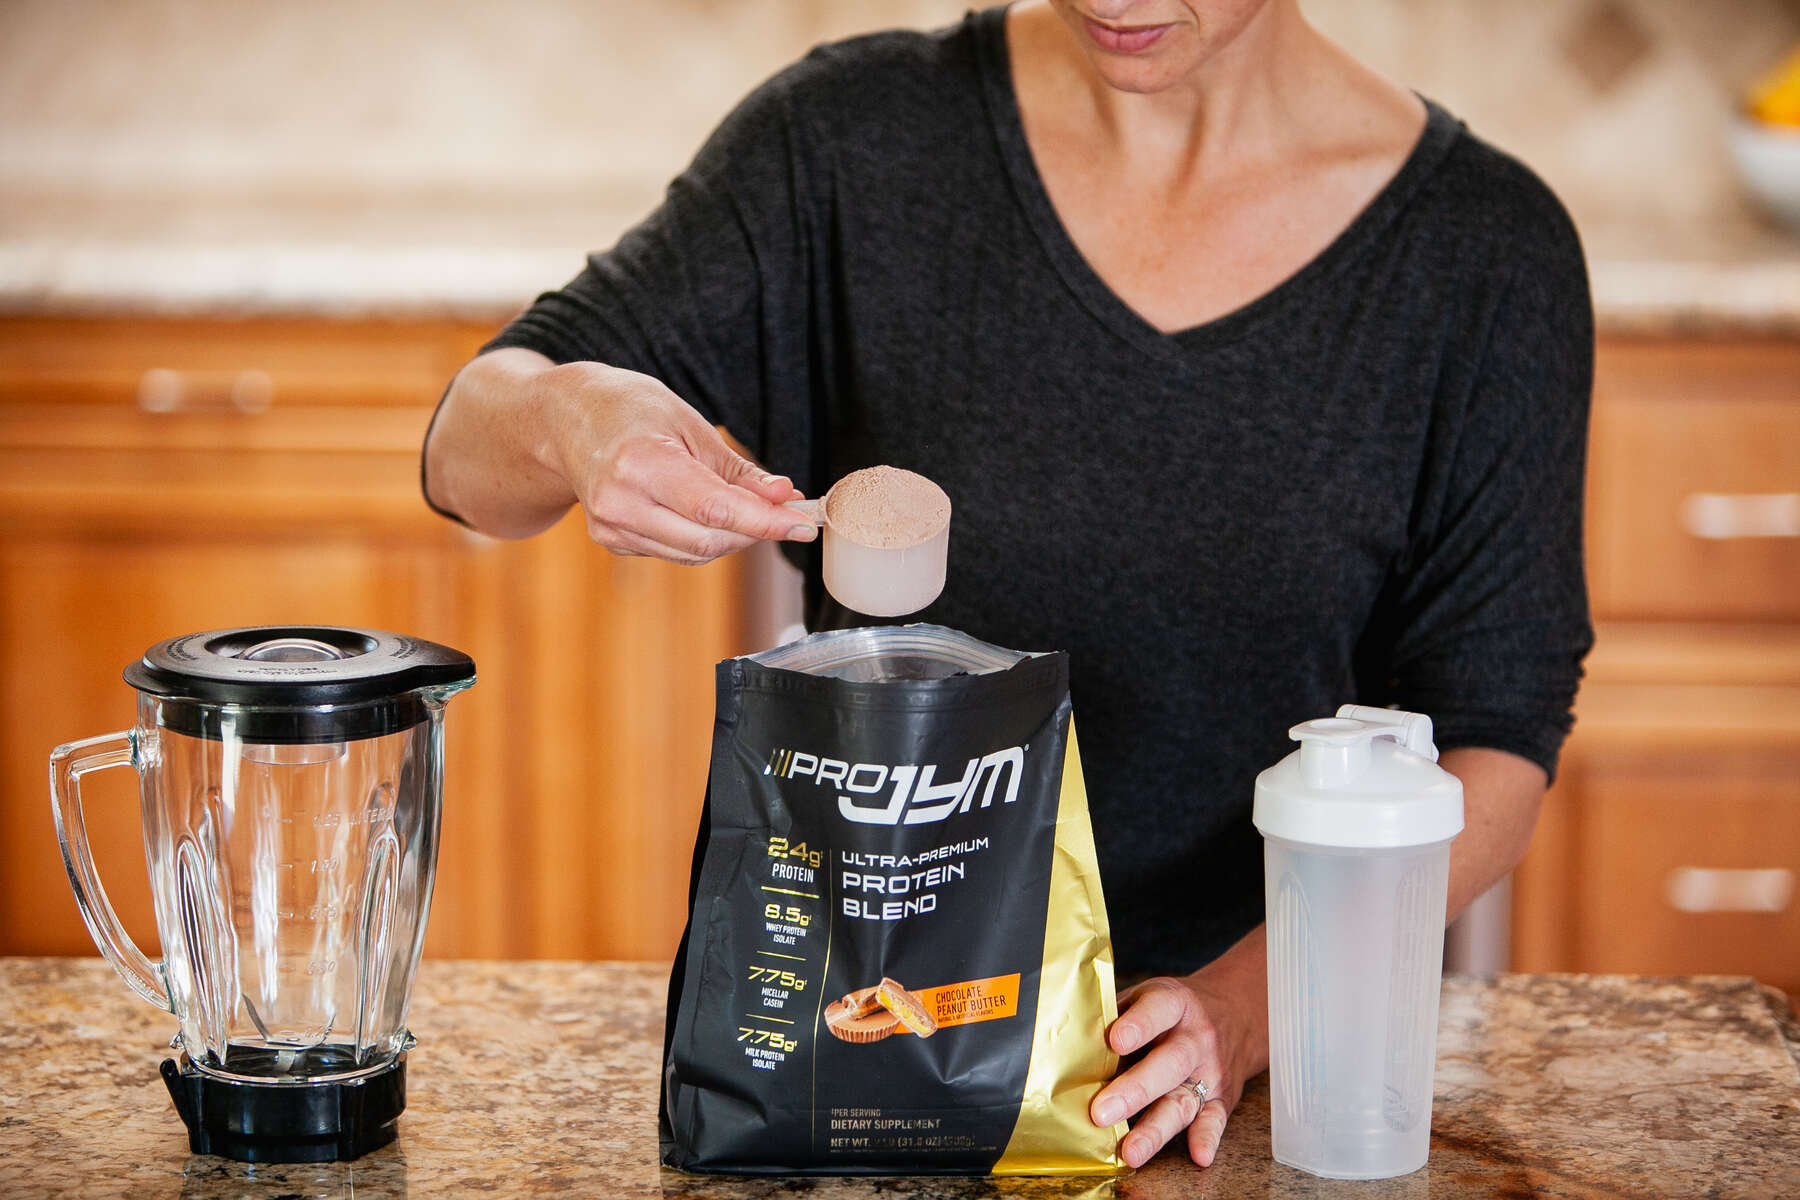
x,y
1671,842
1694,482
162,476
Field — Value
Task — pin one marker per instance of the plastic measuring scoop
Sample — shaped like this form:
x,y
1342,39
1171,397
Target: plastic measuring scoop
x,y
886,580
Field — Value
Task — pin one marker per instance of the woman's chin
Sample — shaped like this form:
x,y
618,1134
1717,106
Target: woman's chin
x,y
1143,76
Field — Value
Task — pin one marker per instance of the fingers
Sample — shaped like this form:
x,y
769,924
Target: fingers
x,y
735,469
1162,1121
696,493
1204,1133
1149,1009
641,526
1166,1016
1165,1012
711,449
688,545
1175,1060
659,499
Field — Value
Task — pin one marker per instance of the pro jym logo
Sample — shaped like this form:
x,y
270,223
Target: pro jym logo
x,y
913,795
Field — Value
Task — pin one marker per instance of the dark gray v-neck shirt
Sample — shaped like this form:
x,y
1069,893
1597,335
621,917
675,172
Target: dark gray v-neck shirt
x,y
1365,485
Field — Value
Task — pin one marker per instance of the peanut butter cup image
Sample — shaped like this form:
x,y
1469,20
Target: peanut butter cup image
x,y
860,1018
907,1007
861,1002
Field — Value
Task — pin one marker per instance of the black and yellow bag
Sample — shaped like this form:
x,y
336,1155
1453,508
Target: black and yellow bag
x,y
897,958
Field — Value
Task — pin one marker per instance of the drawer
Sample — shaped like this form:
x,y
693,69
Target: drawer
x,y
1694,482
220,366
1690,866
138,424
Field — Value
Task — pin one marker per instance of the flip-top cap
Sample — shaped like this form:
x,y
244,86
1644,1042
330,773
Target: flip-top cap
x,y
1365,779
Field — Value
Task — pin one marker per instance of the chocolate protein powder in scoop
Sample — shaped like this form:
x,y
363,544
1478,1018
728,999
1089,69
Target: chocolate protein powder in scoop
x,y
886,508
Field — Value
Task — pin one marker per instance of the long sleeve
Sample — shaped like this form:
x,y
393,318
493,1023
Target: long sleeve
x,y
1489,617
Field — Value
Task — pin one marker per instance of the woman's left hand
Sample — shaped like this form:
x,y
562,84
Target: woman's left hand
x,y
1210,1028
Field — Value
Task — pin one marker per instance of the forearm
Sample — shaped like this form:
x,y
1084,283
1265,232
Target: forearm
x,y
1501,797
490,456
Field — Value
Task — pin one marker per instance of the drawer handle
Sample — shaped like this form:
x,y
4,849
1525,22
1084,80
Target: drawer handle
x,y
1711,889
1726,515
162,390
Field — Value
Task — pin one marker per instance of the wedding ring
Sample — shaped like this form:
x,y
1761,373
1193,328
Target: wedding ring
x,y
1198,1087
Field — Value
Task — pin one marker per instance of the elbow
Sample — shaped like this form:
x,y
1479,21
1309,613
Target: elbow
x,y
1529,807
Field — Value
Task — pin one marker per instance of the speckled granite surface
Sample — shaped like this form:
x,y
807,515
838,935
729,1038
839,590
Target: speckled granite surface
x,y
541,1077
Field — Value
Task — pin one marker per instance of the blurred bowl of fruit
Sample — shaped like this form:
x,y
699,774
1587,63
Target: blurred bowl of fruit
x,y
1765,141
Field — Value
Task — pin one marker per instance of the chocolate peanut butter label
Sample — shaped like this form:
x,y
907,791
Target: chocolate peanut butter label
x,y
897,959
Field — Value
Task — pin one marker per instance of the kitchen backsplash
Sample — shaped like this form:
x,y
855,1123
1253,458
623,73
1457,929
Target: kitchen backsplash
x,y
1620,104
540,108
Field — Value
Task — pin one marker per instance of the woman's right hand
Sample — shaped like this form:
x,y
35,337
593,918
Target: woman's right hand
x,y
519,438
655,478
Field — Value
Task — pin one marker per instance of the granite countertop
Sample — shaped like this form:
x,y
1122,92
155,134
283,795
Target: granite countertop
x,y
542,1077
1737,275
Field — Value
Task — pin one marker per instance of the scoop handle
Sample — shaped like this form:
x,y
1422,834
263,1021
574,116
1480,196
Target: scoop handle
x,y
812,510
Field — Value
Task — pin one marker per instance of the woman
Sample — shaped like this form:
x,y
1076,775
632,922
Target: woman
x,y
1259,384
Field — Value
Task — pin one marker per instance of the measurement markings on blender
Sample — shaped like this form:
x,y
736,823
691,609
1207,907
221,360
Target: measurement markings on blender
x,y
299,964
314,866
316,912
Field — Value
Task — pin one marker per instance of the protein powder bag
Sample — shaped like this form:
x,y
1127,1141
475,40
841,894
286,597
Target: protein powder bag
x,y
897,958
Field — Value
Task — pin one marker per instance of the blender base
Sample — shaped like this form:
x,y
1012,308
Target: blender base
x,y
287,1122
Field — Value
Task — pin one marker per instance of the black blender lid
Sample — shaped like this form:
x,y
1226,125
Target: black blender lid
x,y
368,677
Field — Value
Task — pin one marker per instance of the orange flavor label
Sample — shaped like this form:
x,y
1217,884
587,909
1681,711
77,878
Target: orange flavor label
x,y
972,1001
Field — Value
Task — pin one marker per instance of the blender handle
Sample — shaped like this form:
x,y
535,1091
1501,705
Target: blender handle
x,y
67,765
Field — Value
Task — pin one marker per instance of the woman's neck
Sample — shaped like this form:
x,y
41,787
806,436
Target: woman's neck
x,y
1190,195
1268,91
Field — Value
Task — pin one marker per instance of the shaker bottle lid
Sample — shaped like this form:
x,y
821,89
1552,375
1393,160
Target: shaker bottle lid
x,y
1365,779
298,683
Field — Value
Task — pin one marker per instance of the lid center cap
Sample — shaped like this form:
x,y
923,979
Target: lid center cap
x,y
294,650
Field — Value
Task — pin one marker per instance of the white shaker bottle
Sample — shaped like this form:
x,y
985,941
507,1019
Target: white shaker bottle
x,y
1356,827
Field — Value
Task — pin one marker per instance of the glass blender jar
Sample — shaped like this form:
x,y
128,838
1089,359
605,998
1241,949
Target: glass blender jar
x,y
290,783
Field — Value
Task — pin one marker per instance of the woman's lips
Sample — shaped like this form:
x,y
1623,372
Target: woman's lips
x,y
1134,39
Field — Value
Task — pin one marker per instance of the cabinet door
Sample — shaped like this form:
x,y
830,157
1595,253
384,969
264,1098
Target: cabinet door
x,y
1693,867
1694,482
576,764
1671,842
